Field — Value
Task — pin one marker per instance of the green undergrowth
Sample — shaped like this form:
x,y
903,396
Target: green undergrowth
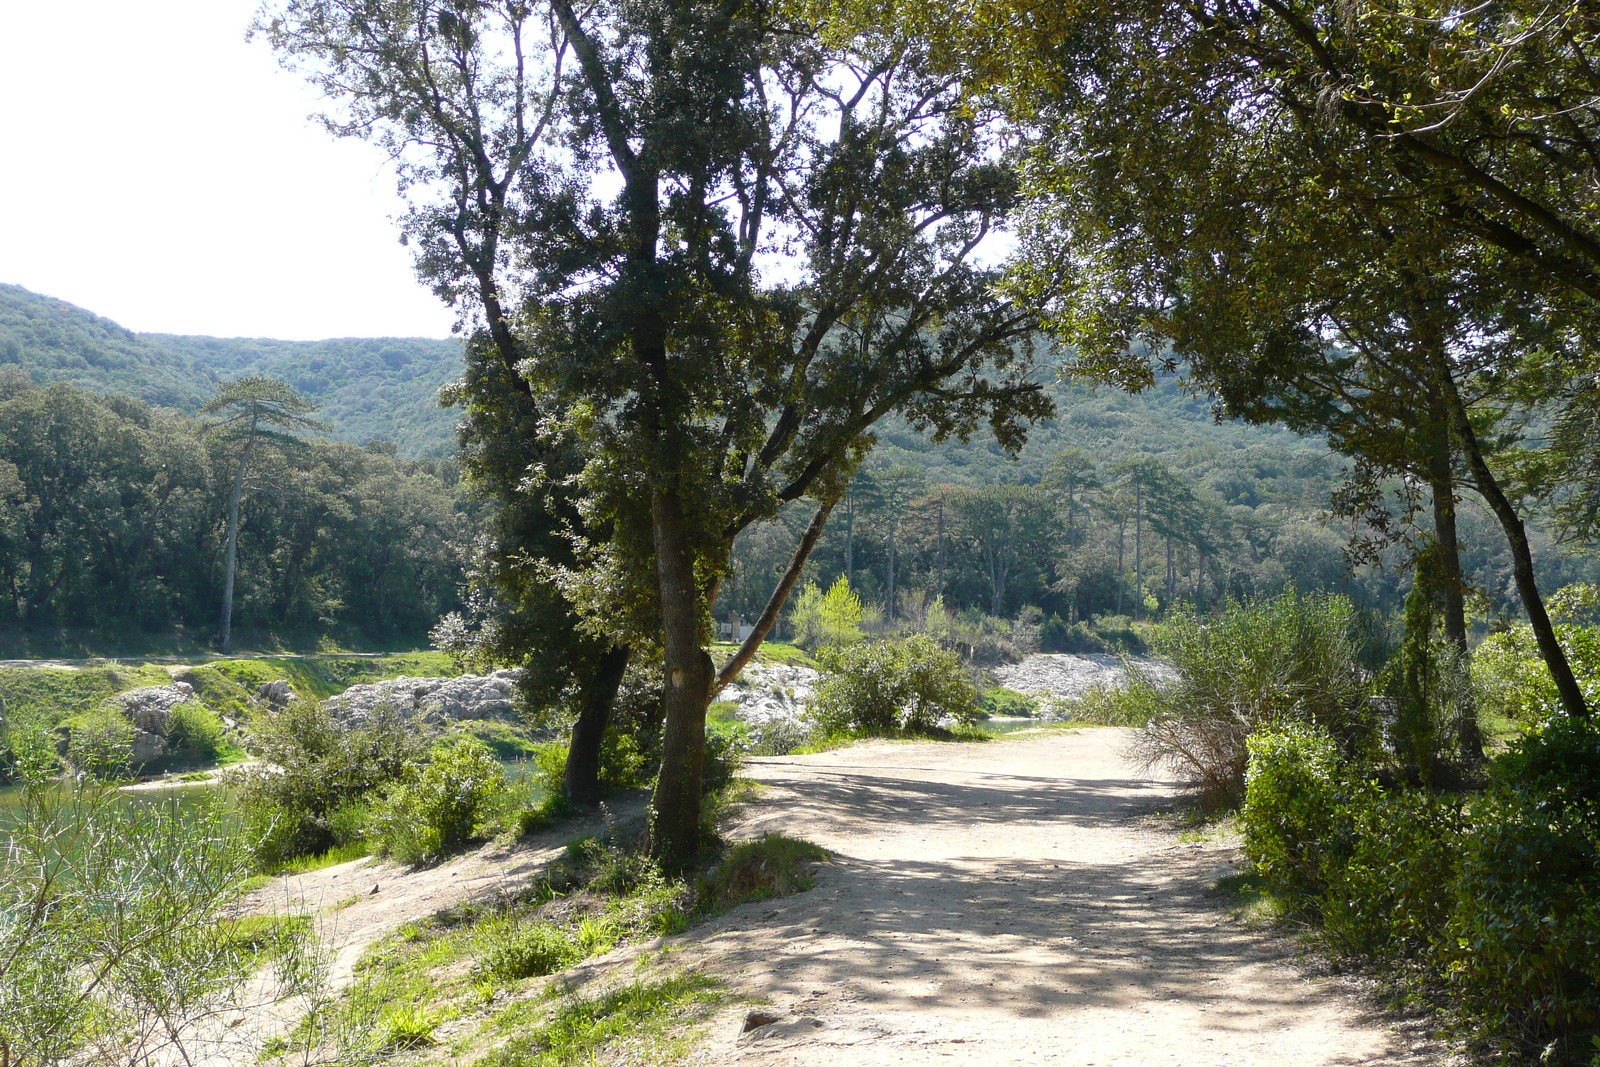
x,y
771,652
655,1018
75,704
469,977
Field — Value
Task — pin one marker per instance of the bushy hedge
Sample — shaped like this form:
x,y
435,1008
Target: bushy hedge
x,y
1499,897
311,768
888,687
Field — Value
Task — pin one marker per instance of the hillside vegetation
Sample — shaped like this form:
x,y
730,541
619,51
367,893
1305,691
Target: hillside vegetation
x,y
369,389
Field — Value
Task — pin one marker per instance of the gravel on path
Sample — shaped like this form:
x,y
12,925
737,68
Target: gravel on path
x,y
1012,903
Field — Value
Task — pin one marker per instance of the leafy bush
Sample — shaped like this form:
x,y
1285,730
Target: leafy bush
x,y
822,620
1396,891
1055,635
439,806
779,736
1525,938
1259,665
1007,703
195,734
1131,703
312,767
1295,818
1120,633
889,687
1510,680
111,947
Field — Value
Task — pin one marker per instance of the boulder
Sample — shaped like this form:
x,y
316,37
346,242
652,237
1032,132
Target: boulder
x,y
147,747
434,701
276,694
150,708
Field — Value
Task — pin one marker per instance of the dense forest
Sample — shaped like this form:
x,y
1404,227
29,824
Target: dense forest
x,y
1122,505
114,513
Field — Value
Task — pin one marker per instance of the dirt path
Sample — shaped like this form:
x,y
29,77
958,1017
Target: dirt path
x,y
1005,903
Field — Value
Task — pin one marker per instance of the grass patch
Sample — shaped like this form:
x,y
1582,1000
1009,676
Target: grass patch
x,y
263,937
655,1019
336,855
1247,897
770,866
770,652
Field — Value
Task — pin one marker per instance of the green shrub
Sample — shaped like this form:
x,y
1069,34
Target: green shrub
x,y
1057,636
769,866
1296,819
1525,938
889,687
1008,704
527,950
438,807
1395,893
195,734
1259,665
100,744
313,767
1131,703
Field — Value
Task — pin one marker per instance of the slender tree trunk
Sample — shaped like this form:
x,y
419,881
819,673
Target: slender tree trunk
x,y
230,554
849,539
1441,483
581,780
891,572
1555,658
1172,575
940,537
1138,552
1122,574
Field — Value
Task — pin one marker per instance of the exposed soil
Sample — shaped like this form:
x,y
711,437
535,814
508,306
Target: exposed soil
x,y
1015,902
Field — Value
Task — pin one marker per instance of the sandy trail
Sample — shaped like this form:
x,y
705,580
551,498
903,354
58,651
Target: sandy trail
x,y
1005,903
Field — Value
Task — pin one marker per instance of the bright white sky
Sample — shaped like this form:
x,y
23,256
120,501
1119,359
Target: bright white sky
x,y
158,170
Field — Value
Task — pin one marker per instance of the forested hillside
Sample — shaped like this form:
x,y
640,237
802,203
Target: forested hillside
x,y
368,389
1080,522
54,341
1244,507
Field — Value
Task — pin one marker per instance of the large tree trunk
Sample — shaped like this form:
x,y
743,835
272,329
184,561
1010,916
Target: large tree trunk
x,y
581,780
675,805
1505,512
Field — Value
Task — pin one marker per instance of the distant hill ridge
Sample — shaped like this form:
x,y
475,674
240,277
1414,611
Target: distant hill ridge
x,y
387,389
381,388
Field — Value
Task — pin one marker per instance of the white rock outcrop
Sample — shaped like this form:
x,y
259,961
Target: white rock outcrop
x,y
771,692
434,701
1067,676
150,708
